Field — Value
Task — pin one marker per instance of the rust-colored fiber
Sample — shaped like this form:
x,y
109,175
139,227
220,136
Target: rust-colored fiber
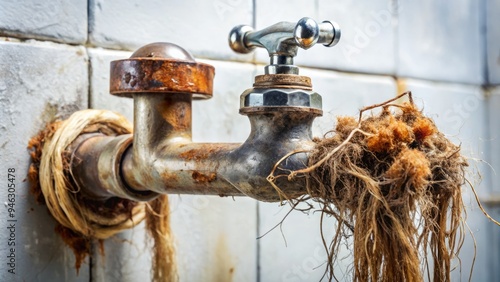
x,y
393,181
82,220
35,145
80,245
158,226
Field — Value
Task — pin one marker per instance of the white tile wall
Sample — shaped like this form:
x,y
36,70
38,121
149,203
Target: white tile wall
x,y
493,101
62,21
494,234
440,41
215,238
38,82
493,125
217,119
493,40
99,86
293,251
201,27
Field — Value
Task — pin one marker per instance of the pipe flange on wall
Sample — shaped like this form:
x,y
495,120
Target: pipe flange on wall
x,y
161,68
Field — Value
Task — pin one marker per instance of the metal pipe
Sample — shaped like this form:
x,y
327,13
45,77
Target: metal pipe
x,y
96,167
227,169
158,121
161,157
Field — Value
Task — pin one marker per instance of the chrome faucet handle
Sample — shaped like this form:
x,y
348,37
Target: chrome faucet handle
x,y
282,40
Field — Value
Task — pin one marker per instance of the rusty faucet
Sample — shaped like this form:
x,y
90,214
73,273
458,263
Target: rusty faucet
x,y
160,157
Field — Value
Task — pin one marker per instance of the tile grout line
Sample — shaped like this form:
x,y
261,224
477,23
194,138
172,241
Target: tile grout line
x,y
89,105
395,30
258,242
483,15
257,206
23,41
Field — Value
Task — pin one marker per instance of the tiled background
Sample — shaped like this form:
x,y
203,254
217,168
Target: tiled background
x,y
54,60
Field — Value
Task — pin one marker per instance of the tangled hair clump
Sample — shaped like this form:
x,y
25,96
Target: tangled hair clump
x,y
393,182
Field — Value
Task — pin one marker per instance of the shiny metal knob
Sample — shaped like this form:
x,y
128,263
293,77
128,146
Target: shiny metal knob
x,y
282,40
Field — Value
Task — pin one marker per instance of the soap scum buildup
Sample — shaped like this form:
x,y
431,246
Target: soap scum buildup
x,y
393,182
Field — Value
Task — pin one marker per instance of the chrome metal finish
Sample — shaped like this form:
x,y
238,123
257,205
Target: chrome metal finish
x,y
281,65
306,33
282,40
331,32
163,50
277,97
275,92
237,39
281,69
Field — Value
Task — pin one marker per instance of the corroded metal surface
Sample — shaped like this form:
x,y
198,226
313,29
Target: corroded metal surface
x,y
283,81
163,79
161,68
163,159
96,165
185,168
229,169
156,75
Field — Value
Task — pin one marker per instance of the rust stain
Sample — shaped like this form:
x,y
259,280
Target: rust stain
x,y
201,153
169,177
162,75
194,154
223,262
283,81
401,86
176,110
203,178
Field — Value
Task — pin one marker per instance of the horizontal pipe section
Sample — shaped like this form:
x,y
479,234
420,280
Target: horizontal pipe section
x,y
228,169
160,158
190,168
96,167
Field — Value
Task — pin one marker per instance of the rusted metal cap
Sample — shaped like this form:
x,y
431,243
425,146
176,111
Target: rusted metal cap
x,y
161,68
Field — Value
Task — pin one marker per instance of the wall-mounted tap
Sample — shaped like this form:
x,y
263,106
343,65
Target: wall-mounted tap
x,y
160,157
